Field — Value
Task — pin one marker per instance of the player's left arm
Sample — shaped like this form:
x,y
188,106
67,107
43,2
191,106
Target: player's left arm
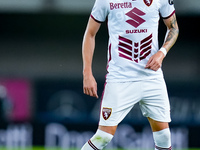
x,y
172,33
155,61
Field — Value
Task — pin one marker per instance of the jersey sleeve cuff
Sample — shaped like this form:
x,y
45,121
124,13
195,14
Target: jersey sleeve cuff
x,y
96,19
169,15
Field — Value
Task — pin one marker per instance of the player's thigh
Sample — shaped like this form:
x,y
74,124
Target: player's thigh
x,y
117,101
155,101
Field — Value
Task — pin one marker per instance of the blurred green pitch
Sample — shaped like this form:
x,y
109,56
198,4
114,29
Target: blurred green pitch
x,y
42,148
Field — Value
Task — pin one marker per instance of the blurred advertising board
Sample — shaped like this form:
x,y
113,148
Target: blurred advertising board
x,y
15,99
57,135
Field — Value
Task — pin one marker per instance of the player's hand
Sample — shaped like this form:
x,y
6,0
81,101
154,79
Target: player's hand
x,y
90,85
155,61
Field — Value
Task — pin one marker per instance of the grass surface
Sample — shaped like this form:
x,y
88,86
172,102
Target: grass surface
x,y
42,148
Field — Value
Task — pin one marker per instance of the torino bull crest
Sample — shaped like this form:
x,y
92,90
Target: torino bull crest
x,y
148,2
106,113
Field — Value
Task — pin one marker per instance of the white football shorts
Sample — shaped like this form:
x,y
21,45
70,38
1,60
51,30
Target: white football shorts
x,y
119,98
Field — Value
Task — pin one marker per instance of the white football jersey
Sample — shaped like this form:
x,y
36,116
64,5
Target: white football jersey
x,y
133,35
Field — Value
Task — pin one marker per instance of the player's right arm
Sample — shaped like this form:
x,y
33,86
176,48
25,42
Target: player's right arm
x,y
89,82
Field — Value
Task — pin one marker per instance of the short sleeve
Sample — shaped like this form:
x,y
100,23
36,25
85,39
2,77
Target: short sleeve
x,y
100,10
166,8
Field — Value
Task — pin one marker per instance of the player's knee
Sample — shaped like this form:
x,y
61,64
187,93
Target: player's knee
x,y
108,129
162,138
99,140
102,138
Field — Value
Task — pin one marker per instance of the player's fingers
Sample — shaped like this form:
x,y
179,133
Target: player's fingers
x,y
95,93
149,63
158,66
86,91
94,90
149,66
155,66
89,92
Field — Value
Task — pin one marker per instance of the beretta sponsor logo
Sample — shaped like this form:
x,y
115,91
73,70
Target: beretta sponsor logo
x,y
120,5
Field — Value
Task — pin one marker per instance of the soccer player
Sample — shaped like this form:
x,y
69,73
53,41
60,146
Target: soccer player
x,y
134,66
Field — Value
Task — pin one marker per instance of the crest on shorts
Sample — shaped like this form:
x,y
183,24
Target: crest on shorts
x,y
148,2
106,113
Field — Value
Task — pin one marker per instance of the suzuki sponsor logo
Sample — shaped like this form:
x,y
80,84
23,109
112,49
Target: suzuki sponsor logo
x,y
135,15
136,31
134,51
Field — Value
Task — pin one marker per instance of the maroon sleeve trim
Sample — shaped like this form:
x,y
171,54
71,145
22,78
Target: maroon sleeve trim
x,y
96,19
169,15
